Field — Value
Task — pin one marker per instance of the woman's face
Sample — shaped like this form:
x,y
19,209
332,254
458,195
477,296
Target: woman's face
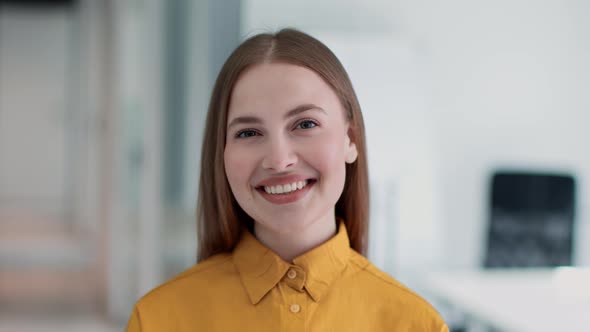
x,y
286,147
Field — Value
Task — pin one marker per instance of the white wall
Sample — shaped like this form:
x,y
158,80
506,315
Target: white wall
x,y
509,89
450,91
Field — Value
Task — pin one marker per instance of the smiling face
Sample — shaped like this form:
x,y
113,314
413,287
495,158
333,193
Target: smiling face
x,y
287,144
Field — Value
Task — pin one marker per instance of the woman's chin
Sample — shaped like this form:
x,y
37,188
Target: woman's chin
x,y
282,224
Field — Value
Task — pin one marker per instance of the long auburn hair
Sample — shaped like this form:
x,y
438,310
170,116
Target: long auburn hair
x,y
220,220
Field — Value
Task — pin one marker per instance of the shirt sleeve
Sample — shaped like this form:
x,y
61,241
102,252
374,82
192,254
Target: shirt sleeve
x,y
134,324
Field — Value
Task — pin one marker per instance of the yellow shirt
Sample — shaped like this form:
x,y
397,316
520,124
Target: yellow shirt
x,y
330,288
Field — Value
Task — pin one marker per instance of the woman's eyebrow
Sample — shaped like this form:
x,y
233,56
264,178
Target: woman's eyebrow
x,y
255,120
244,120
303,108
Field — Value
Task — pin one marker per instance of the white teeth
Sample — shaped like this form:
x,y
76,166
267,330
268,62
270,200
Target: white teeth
x,y
286,188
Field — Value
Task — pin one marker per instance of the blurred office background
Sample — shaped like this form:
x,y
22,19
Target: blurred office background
x,y
477,117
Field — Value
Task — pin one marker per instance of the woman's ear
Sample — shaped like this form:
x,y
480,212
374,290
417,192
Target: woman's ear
x,y
351,151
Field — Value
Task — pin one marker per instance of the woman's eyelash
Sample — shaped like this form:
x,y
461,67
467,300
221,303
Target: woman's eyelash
x,y
309,123
306,121
246,133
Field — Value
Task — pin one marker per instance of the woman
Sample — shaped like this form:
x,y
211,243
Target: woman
x,y
283,207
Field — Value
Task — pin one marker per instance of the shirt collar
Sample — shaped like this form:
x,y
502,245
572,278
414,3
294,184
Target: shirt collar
x,y
261,269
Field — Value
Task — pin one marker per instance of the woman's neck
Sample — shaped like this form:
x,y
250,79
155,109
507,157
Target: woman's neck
x,y
289,245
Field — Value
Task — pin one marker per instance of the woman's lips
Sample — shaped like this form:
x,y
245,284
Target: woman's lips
x,y
286,198
282,180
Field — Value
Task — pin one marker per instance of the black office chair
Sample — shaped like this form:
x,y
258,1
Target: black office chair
x,y
531,220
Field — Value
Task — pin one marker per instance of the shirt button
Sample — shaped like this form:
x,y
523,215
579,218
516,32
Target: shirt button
x,y
291,274
295,308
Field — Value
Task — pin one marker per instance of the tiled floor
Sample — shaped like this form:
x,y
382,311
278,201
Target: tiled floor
x,y
11,323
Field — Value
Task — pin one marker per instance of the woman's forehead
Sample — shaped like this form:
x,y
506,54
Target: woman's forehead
x,y
279,86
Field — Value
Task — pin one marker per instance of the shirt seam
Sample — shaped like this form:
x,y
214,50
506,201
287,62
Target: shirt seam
x,y
389,282
139,318
189,274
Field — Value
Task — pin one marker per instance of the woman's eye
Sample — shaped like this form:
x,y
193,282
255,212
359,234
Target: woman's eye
x,y
307,124
246,133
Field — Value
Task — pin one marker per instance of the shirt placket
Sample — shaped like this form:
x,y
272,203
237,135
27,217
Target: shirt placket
x,y
296,300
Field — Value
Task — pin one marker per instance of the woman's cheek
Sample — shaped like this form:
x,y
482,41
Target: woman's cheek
x,y
234,165
325,155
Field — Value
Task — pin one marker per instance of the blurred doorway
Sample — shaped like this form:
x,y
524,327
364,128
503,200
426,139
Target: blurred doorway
x,y
51,243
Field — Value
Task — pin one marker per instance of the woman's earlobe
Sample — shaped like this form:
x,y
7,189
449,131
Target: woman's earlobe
x,y
352,153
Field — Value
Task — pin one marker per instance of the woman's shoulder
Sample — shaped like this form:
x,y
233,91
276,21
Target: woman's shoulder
x,y
378,278
390,292
195,278
187,294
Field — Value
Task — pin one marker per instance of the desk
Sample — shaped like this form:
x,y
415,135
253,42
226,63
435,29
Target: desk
x,y
518,300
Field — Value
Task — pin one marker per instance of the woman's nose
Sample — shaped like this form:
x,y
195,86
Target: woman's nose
x,y
279,155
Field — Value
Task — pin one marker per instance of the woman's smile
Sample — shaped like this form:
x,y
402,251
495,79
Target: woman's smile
x,y
286,194
286,189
